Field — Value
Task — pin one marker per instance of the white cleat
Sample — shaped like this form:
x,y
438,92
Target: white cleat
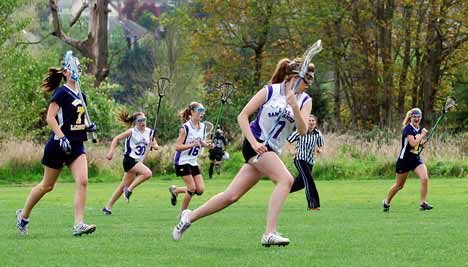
x,y
183,225
21,224
274,239
83,228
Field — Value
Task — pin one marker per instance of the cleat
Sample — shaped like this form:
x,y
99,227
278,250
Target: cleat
x,y
172,189
21,223
425,206
274,239
385,206
183,225
106,211
317,208
126,194
83,228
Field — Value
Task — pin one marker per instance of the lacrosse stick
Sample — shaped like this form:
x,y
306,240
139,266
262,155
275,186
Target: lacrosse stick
x,y
307,57
162,85
449,104
71,63
226,89
208,129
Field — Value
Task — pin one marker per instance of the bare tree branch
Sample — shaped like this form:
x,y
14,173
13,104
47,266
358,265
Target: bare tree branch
x,y
80,45
33,43
78,14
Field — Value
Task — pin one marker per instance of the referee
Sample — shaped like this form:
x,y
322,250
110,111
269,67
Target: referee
x,y
304,161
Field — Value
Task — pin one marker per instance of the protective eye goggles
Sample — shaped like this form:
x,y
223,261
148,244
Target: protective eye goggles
x,y
140,120
309,78
416,114
199,109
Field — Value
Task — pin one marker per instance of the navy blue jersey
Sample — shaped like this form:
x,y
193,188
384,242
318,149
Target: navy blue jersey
x,y
71,115
407,151
219,142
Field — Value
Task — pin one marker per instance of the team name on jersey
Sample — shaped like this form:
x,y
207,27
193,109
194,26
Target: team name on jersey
x,y
286,115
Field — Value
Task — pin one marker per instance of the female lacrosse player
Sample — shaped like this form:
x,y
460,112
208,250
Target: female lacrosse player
x,y
191,139
409,159
137,141
66,118
217,152
262,159
304,161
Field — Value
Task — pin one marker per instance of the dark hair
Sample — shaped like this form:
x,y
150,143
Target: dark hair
x,y
127,119
185,114
53,79
286,69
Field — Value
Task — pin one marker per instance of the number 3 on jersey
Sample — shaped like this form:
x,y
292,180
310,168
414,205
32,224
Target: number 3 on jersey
x,y
140,150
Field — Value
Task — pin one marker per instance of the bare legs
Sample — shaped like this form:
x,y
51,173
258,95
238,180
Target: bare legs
x,y
269,165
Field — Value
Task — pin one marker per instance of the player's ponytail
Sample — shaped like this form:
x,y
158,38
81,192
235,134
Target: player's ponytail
x,y
187,112
52,79
281,71
286,69
127,119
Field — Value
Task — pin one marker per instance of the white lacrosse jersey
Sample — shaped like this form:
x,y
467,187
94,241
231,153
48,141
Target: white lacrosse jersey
x,y
190,156
137,144
268,113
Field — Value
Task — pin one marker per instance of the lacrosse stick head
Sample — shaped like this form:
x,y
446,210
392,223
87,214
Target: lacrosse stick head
x,y
163,84
72,64
303,66
208,129
450,103
226,89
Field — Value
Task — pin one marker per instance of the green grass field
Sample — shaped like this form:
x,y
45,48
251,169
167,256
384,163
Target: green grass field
x,y
350,230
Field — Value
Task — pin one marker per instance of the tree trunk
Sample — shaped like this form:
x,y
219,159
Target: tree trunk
x,y
99,46
95,46
407,13
431,65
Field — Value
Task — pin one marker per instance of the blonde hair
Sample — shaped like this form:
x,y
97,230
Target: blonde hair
x,y
410,112
286,69
185,114
127,119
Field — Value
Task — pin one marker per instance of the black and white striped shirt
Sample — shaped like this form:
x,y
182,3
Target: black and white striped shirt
x,y
305,145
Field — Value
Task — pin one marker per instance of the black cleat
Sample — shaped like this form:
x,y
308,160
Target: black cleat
x,y
126,194
425,206
172,188
106,211
385,206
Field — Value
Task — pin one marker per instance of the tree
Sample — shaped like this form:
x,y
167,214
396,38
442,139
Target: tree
x,y
95,46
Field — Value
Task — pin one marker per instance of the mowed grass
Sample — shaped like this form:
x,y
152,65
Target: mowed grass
x,y
350,230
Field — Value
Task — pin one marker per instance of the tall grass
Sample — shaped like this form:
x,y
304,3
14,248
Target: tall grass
x,y
344,157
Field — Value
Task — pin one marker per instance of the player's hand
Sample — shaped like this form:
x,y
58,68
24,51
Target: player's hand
x,y
154,145
291,98
110,155
65,145
423,132
259,148
196,142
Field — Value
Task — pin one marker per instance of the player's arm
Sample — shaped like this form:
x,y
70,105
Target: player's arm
x,y
180,146
51,121
116,141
